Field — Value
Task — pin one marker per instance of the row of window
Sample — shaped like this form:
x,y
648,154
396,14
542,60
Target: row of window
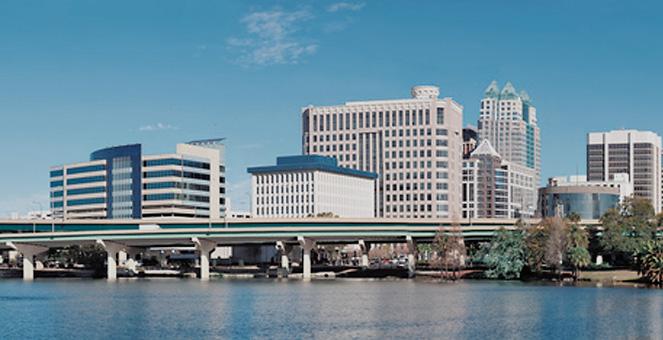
x,y
86,201
87,168
177,162
332,122
176,185
173,196
175,173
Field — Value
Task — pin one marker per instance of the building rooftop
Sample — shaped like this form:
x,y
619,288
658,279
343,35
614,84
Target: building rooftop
x,y
307,163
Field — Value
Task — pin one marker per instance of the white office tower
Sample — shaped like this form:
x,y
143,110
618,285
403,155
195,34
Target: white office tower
x,y
414,145
636,153
122,183
508,120
188,183
496,188
308,186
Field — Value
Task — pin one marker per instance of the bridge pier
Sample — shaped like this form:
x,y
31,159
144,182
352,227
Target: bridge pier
x,y
283,250
204,248
411,255
364,253
112,251
28,251
307,244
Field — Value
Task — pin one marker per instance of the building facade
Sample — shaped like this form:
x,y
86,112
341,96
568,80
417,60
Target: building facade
x,y
496,188
636,153
304,186
414,145
470,140
589,199
508,120
121,183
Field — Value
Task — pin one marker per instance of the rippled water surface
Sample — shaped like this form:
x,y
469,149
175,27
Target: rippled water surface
x,y
85,309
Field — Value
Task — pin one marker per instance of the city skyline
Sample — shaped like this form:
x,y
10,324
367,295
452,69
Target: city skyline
x,y
109,81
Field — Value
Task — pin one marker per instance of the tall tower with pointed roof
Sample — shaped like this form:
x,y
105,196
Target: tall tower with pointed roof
x,y
508,120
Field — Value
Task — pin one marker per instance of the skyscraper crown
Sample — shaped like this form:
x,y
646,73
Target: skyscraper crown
x,y
493,91
508,92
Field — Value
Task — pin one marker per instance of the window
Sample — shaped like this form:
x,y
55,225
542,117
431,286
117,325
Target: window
x,y
84,191
56,173
440,115
85,180
82,169
86,201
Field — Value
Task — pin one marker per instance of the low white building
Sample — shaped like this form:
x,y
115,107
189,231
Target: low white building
x,y
302,186
589,199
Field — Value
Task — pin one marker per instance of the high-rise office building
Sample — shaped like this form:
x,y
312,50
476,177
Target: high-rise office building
x,y
508,120
636,153
414,145
121,183
494,187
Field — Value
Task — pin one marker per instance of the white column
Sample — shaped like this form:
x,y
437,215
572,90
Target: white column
x,y
28,251
307,244
112,249
364,253
122,257
204,248
411,258
283,249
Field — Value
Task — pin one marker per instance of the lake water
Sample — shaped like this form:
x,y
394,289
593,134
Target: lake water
x,y
415,309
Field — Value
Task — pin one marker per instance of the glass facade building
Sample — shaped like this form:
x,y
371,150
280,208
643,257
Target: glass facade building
x,y
587,201
121,183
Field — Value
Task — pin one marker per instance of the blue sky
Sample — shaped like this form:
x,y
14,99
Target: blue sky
x,y
76,76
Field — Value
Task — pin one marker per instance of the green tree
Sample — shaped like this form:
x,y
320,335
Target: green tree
x,y
505,255
651,262
628,228
577,253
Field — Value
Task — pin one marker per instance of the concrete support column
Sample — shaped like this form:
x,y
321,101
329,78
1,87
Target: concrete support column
x,y
29,251
284,249
307,244
204,248
122,257
364,253
112,250
411,255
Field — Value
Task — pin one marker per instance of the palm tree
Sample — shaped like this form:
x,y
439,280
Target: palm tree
x,y
577,253
651,265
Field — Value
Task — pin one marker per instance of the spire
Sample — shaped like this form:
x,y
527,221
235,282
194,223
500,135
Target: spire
x,y
508,92
524,97
485,148
493,91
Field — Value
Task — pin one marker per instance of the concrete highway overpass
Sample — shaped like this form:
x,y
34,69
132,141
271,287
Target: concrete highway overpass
x,y
32,237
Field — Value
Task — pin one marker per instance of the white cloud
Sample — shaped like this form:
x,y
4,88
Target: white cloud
x,y
272,38
157,127
345,6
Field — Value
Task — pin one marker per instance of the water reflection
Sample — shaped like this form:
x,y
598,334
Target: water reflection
x,y
340,309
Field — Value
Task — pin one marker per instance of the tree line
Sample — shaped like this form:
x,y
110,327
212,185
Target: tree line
x,y
627,237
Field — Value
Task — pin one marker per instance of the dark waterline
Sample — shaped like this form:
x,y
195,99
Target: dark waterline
x,y
142,309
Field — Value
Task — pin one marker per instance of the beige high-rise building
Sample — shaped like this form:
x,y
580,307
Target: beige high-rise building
x,y
508,120
636,153
414,145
